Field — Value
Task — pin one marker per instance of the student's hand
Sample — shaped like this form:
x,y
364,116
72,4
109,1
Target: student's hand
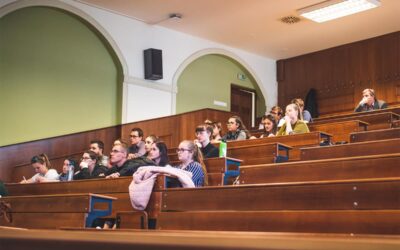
x,y
287,119
132,156
23,182
112,176
363,101
41,179
83,165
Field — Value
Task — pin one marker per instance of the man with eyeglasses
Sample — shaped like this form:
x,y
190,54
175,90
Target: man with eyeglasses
x,y
137,148
121,165
203,135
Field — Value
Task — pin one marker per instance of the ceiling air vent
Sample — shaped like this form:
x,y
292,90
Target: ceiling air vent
x,y
290,19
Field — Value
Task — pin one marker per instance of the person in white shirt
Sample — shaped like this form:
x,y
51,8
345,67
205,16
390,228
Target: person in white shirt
x,y
41,165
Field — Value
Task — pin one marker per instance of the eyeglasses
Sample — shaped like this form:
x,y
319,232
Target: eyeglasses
x,y
230,123
115,151
181,150
134,136
85,158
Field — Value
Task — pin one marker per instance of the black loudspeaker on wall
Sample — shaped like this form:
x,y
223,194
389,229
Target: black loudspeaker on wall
x,y
153,64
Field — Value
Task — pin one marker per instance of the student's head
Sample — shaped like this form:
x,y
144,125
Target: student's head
x,y
136,136
204,133
369,96
216,129
188,151
293,111
118,155
119,141
299,103
235,123
67,162
159,153
40,163
97,147
149,142
90,158
269,123
277,112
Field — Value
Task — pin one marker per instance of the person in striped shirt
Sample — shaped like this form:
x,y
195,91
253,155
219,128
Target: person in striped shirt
x,y
191,160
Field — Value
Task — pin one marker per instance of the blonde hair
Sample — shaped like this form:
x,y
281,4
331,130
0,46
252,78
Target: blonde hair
x,y
297,108
197,156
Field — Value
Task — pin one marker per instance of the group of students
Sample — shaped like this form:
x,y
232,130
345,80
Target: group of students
x,y
124,160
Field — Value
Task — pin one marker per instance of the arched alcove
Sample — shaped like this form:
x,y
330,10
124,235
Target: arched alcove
x,y
207,76
58,74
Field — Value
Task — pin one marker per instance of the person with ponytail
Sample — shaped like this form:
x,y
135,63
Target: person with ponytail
x,y
294,123
41,165
191,160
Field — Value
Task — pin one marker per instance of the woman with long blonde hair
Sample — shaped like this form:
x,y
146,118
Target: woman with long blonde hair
x,y
191,160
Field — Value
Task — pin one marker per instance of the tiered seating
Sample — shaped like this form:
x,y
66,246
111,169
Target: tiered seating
x,y
381,134
340,130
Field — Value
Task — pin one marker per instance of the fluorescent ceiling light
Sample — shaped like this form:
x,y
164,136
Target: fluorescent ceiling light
x,y
333,9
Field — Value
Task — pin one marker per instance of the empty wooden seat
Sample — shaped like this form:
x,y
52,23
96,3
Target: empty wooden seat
x,y
374,166
380,134
326,221
54,211
396,124
375,120
381,193
340,130
353,149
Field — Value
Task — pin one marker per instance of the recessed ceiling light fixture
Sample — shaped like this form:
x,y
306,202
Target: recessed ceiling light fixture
x,y
333,9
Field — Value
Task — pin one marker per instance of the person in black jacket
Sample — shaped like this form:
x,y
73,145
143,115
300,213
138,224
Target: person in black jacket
x,y
121,166
203,135
89,167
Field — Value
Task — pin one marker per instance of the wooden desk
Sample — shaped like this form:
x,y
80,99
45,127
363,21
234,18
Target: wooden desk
x,y
340,130
374,135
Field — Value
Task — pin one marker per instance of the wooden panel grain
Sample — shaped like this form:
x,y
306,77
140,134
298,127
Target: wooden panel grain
x,y
355,222
340,74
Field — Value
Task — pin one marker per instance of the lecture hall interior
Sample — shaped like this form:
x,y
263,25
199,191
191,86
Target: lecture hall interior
x,y
74,73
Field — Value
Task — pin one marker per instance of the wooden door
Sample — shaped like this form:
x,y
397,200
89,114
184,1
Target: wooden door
x,y
242,103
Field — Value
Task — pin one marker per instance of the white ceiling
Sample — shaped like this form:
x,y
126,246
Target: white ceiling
x,y
254,25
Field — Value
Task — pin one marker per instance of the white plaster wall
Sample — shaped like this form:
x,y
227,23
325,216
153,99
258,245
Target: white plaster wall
x,y
132,37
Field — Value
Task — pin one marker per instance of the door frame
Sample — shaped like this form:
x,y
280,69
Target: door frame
x,y
253,103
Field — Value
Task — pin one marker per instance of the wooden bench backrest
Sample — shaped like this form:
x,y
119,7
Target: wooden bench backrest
x,y
381,134
353,149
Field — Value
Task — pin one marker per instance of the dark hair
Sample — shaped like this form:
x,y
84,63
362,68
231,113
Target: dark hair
x,y
99,143
139,130
241,125
92,155
205,127
72,162
162,147
42,159
274,124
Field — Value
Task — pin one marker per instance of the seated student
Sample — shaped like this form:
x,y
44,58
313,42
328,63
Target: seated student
x,y
97,147
41,164
192,160
270,126
306,115
121,166
236,130
67,162
369,102
216,134
89,167
148,142
203,135
293,122
277,112
159,154
137,144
